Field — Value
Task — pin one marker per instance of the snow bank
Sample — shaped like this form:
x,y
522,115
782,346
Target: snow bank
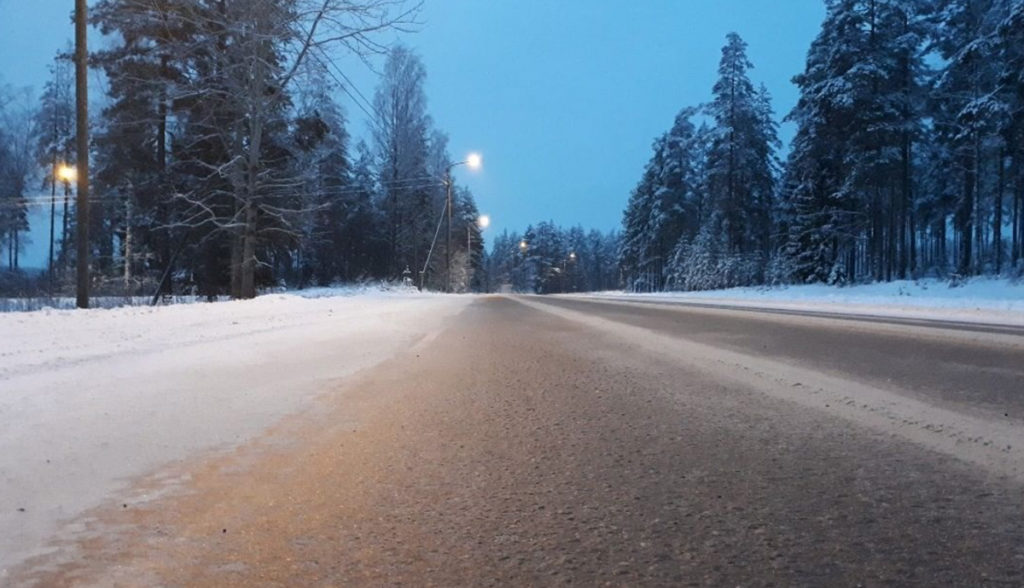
x,y
28,304
979,300
91,399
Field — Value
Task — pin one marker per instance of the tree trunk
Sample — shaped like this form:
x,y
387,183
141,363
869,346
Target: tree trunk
x,y
905,232
997,217
128,247
943,253
247,286
891,233
966,232
978,224
1017,227
161,161
53,215
236,264
912,233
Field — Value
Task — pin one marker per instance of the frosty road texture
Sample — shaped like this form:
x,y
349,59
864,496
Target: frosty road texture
x,y
540,441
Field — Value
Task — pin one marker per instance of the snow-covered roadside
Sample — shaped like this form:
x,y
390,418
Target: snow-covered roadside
x,y
29,304
91,399
978,301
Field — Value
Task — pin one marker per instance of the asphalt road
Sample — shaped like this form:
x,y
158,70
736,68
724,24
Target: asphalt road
x,y
556,441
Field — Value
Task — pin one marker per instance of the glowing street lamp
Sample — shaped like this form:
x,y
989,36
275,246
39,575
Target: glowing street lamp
x,y
570,259
474,161
67,173
523,246
482,222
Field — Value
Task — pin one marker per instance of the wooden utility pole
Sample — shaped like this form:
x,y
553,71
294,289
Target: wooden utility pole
x,y
448,249
82,136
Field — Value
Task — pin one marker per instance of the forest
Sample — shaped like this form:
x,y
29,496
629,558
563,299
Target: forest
x,y
907,159
222,163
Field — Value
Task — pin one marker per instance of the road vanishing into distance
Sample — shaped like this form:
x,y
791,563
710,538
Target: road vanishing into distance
x,y
541,441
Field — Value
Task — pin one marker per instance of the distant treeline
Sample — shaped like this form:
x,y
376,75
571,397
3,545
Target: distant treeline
x,y
547,259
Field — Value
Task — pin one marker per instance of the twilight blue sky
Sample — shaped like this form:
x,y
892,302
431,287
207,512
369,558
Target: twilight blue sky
x,y
562,97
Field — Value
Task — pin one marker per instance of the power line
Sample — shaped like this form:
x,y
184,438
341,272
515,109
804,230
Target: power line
x,y
352,85
408,184
373,120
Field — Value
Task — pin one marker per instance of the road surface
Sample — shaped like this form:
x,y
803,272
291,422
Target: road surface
x,y
552,441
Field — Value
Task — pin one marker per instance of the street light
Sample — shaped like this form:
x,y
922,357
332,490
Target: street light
x,y
483,221
474,161
523,246
67,173
570,259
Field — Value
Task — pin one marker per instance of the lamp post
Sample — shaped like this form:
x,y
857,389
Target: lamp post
x,y
520,264
570,259
473,161
483,221
66,174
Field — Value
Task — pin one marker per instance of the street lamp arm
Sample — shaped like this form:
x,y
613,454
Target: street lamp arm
x,y
473,161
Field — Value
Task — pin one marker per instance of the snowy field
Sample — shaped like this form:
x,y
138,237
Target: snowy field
x,y
90,399
980,300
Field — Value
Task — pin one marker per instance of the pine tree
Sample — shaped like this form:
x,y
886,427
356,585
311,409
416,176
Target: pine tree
x,y
1009,43
667,205
849,176
55,132
966,119
741,168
